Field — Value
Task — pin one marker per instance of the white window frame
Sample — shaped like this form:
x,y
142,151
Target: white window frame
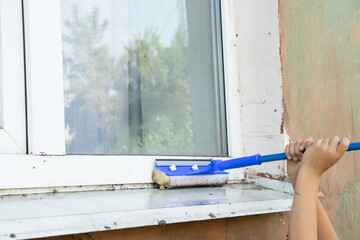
x,y
12,90
46,165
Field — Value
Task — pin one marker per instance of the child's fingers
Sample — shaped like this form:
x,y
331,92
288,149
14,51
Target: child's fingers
x,y
343,146
298,153
291,151
325,142
287,153
308,142
302,146
334,142
319,141
305,145
295,150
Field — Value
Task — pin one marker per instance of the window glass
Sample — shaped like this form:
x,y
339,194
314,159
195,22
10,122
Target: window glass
x,y
143,77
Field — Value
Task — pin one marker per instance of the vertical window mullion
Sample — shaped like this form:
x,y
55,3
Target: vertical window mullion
x,y
43,50
232,84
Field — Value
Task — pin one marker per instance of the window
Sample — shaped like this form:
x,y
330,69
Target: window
x,y
109,86
159,88
143,77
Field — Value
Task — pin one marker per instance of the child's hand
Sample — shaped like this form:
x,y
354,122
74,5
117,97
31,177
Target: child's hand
x,y
307,213
294,153
323,154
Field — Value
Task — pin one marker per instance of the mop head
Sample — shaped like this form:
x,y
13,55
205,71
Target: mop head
x,y
171,173
160,178
173,177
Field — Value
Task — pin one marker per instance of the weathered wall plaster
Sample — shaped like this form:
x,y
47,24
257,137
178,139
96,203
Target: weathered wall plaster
x,y
320,53
259,73
250,227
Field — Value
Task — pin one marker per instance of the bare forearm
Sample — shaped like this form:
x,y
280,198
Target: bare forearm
x,y
325,228
307,214
303,217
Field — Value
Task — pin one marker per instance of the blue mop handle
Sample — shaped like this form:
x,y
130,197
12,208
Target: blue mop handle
x,y
258,159
282,156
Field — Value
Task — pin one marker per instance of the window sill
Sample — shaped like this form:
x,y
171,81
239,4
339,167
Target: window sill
x,y
43,215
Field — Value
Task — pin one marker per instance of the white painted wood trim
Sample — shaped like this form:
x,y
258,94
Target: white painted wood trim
x,y
232,93
13,125
44,73
10,144
29,171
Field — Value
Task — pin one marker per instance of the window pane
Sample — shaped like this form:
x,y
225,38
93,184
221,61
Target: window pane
x,y
143,77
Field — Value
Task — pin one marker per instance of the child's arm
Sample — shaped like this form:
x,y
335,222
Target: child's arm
x,y
294,152
303,216
325,230
308,219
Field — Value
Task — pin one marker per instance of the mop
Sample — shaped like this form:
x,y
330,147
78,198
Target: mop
x,y
170,173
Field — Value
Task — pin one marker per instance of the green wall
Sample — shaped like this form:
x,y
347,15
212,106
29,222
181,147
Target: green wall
x,y
320,51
